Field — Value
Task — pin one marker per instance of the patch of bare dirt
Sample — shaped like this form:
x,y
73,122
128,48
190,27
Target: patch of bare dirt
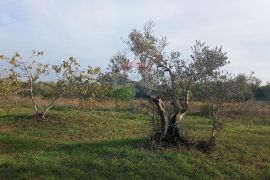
x,y
6,129
3,145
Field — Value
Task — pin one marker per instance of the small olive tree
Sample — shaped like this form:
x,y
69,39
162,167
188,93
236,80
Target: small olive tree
x,y
218,90
157,68
119,68
30,71
77,82
254,83
7,86
89,85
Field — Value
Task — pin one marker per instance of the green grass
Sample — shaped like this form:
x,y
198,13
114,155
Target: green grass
x,y
75,144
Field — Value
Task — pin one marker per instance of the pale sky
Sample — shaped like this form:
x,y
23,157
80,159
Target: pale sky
x,y
91,30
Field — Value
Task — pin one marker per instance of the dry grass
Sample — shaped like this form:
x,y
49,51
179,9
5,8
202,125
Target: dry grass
x,y
233,110
247,109
236,110
7,129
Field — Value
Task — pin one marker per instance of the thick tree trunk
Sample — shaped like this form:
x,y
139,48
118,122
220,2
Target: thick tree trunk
x,y
170,131
163,116
173,135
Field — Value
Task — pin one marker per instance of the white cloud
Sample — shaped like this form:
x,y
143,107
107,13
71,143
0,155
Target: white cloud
x,y
91,30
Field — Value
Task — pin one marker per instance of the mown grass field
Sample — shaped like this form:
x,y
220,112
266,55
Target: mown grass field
x,y
79,144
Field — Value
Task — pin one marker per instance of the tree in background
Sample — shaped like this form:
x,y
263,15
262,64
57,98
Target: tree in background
x,y
254,85
263,92
122,86
250,88
245,91
7,86
44,89
90,86
125,93
119,68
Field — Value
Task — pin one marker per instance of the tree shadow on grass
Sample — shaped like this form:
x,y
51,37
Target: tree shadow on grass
x,y
109,159
18,144
114,159
16,117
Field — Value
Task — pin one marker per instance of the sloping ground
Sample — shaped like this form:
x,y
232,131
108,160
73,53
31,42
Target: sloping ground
x,y
75,144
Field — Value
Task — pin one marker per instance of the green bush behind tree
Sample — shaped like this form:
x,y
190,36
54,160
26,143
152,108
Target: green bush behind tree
x,y
125,93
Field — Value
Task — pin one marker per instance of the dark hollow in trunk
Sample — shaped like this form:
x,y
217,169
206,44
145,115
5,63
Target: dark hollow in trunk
x,y
170,131
172,134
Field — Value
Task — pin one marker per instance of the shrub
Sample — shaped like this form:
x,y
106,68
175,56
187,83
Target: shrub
x,y
205,110
124,93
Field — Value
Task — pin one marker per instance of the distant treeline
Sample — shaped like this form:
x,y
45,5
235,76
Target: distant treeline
x,y
124,89
263,92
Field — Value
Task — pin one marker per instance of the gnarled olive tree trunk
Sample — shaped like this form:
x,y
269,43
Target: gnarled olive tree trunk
x,y
170,130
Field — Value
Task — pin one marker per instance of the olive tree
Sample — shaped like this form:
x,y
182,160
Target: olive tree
x,y
30,71
119,68
72,80
254,83
7,86
89,85
158,68
215,92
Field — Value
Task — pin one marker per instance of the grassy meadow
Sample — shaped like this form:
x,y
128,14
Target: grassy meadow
x,y
108,144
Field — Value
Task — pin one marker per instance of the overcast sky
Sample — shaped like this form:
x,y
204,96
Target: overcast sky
x,y
91,30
